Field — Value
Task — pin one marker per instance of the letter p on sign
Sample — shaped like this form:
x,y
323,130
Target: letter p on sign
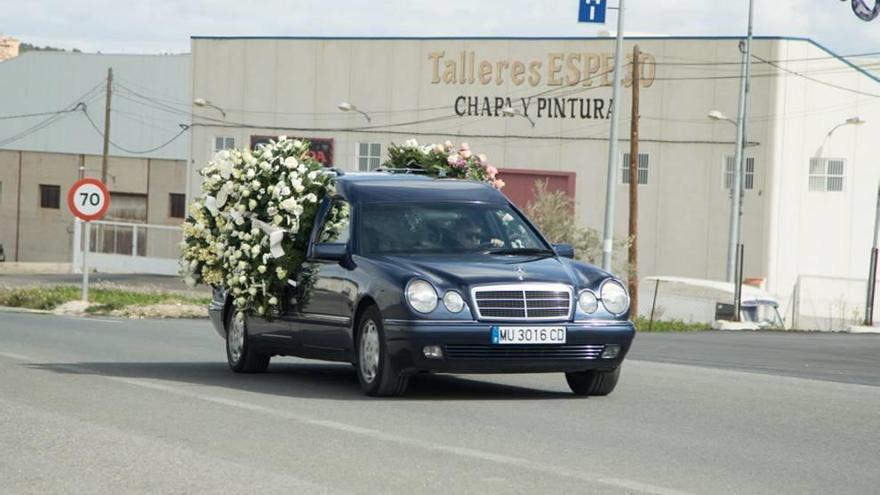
x,y
88,199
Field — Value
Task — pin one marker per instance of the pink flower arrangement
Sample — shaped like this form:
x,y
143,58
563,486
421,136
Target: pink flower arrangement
x,y
445,160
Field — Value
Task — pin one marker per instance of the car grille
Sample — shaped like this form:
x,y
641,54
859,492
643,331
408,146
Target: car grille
x,y
539,302
537,351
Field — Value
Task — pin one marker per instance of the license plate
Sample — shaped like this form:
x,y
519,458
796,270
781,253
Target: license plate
x,y
528,335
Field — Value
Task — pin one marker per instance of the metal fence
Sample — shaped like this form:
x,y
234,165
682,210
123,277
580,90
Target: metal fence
x,y
122,247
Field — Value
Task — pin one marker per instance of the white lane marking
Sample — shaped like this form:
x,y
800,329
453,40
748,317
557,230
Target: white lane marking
x,y
630,485
17,357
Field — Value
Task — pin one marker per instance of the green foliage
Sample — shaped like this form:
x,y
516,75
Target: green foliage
x,y
642,325
27,47
553,212
103,300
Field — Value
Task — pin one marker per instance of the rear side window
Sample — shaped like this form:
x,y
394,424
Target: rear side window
x,y
336,228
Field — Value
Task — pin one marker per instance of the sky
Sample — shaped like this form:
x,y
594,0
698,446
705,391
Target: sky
x,y
165,26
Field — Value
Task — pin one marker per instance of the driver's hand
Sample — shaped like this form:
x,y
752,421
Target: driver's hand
x,y
497,242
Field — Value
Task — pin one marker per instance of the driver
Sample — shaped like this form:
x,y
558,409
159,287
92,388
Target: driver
x,y
468,234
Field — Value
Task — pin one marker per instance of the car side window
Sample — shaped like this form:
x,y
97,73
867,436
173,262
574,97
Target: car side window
x,y
337,225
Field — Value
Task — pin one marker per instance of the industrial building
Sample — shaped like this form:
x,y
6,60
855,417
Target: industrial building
x,y
810,179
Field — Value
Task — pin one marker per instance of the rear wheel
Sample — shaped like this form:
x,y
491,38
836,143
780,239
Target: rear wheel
x,y
239,353
375,371
593,382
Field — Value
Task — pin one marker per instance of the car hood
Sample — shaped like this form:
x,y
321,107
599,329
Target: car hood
x,y
467,271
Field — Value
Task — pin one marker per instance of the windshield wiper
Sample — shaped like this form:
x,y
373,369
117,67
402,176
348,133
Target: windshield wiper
x,y
523,251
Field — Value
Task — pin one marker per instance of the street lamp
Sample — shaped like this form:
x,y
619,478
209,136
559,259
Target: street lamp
x,y
850,121
510,112
717,115
348,107
201,102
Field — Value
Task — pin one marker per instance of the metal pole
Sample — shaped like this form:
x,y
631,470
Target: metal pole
x,y
608,242
85,263
872,276
735,232
737,290
653,305
107,126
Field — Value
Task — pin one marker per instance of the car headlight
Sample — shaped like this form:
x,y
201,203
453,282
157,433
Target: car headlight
x,y
421,296
614,297
453,301
588,302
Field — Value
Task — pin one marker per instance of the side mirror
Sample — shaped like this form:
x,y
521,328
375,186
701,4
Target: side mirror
x,y
329,251
564,250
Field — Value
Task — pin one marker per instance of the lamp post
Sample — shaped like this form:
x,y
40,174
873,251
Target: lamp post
x,y
348,107
850,121
511,112
199,102
610,185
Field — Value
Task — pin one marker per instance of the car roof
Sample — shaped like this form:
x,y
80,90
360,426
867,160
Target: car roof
x,y
384,187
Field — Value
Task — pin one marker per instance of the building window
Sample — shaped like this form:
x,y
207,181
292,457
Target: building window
x,y
177,205
642,171
50,196
748,173
827,174
369,156
223,143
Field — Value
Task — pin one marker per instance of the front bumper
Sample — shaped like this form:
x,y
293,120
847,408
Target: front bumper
x,y
467,347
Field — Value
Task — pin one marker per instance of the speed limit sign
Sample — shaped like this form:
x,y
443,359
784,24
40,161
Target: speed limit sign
x,y
88,199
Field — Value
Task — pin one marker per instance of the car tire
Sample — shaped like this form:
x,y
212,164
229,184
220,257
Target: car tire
x,y
593,382
375,371
239,352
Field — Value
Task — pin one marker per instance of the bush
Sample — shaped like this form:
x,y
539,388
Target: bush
x,y
642,325
553,213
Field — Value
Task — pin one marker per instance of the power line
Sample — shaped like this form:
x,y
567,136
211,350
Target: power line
x,y
804,59
183,129
818,81
72,107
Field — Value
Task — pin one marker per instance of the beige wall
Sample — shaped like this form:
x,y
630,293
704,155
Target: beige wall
x,y
47,234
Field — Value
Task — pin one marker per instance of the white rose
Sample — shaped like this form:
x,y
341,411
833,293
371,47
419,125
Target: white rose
x,y
255,185
261,268
313,175
290,162
288,204
239,221
273,300
277,219
310,198
251,174
297,143
252,204
242,279
246,193
252,291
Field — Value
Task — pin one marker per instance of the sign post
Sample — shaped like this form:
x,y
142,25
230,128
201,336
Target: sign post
x,y
87,199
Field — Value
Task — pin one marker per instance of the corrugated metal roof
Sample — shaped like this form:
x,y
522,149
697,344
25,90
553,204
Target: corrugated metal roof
x,y
46,82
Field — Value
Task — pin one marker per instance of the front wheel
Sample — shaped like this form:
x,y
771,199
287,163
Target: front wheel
x,y
239,353
593,382
375,371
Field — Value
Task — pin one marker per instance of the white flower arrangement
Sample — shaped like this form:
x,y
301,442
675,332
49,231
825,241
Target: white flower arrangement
x,y
252,219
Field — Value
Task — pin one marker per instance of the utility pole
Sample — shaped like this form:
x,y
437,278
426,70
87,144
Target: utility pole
x,y
608,238
872,275
634,186
107,125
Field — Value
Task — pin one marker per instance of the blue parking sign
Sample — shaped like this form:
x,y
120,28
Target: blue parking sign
x,y
592,11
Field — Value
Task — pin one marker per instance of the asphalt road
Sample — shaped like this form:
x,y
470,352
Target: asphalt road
x,y
110,406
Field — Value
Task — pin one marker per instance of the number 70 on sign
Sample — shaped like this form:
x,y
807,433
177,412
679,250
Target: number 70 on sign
x,y
592,11
88,199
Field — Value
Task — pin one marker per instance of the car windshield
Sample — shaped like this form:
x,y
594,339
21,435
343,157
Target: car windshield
x,y
422,228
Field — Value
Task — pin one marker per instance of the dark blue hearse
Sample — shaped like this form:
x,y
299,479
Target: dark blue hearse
x,y
439,276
